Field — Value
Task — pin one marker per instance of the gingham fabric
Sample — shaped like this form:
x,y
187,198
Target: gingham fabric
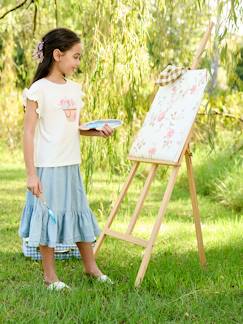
x,y
170,74
62,251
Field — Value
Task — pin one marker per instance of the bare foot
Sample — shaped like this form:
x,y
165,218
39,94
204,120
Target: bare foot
x,y
93,272
50,280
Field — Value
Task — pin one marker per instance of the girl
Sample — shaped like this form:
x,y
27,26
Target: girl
x,y
52,158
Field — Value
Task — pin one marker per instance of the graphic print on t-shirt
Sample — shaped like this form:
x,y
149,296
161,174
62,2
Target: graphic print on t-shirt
x,y
68,106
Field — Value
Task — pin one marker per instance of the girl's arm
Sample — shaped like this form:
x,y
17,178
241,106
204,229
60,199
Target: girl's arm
x,y
90,132
106,131
30,120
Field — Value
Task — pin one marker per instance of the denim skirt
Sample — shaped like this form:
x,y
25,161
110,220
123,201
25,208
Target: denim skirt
x,y
64,216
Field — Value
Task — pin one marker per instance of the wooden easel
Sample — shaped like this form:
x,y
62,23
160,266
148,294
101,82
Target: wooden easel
x,y
148,244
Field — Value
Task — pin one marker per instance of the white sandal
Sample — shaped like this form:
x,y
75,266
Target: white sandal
x,y
105,278
101,278
57,285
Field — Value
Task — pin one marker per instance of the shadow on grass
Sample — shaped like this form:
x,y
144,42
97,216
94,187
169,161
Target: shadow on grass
x,y
169,271
179,208
175,287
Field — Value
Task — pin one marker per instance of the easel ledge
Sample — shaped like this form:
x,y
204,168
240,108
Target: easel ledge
x,y
148,244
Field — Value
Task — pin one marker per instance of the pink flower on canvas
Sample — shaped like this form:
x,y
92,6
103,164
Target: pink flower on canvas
x,y
193,89
152,151
170,133
174,89
161,116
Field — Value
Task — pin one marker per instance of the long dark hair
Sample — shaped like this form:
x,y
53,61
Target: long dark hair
x,y
59,38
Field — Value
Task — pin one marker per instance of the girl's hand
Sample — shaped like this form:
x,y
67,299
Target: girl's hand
x,y
106,131
34,185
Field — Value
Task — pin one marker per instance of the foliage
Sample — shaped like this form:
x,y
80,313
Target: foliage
x,y
126,44
236,76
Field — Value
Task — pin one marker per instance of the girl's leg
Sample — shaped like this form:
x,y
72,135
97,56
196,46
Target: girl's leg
x,y
90,266
48,263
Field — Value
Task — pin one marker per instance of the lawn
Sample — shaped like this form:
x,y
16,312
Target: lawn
x,y
175,288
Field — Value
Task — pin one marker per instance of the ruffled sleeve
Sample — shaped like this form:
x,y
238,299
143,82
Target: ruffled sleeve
x,y
33,93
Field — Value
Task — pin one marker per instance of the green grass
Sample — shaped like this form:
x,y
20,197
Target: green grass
x,y
175,289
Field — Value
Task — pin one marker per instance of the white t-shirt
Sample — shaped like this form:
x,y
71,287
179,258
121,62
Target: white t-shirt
x,y
57,138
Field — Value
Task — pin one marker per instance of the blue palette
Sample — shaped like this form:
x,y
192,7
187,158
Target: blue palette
x,y
99,124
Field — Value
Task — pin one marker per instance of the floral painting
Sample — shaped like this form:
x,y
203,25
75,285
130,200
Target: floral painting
x,y
170,118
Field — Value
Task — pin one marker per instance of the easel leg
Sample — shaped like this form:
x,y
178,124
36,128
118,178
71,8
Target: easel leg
x,y
142,198
155,231
116,206
195,208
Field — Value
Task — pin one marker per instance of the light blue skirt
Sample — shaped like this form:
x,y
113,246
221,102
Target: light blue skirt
x,y
65,196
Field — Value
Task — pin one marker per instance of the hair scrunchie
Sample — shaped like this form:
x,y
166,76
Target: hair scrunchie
x,y
38,52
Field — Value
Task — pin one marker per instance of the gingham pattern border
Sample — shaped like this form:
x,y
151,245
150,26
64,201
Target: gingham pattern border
x,y
170,74
62,251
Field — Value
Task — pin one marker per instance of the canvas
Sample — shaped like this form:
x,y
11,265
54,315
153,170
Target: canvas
x,y
170,118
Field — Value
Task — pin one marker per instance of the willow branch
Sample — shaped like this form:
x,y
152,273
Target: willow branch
x,y
226,115
15,8
35,17
56,13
